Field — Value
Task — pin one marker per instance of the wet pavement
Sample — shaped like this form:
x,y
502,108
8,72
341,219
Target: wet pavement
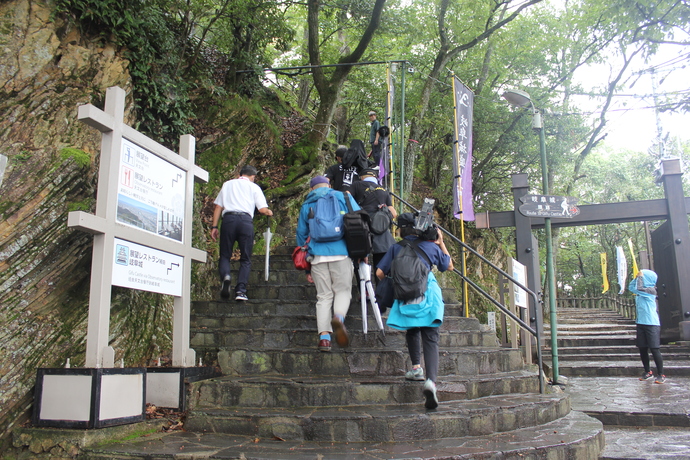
x,y
642,420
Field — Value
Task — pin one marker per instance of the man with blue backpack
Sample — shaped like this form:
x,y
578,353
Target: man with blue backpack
x,y
320,225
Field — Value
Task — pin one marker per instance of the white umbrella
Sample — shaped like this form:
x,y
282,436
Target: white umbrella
x,y
267,239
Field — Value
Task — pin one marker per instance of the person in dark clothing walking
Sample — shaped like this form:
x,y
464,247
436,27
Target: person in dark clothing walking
x,y
342,177
374,199
236,203
374,140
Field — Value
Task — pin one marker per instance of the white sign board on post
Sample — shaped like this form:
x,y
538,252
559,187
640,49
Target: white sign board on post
x,y
142,232
147,269
519,305
151,192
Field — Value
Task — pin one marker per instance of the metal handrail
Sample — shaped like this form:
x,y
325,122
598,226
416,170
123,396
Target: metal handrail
x,y
506,311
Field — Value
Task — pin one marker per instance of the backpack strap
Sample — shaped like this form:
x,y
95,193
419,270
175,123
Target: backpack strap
x,y
415,246
347,201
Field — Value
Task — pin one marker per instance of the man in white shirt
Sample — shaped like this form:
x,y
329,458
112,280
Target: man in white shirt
x,y
236,203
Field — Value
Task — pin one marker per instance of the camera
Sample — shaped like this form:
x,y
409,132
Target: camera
x,y
424,224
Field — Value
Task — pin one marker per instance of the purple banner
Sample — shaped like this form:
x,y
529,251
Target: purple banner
x,y
463,206
385,164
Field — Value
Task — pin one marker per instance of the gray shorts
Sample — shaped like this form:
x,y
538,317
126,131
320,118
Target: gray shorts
x,y
648,336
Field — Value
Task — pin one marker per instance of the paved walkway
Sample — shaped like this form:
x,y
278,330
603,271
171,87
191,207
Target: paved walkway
x,y
642,420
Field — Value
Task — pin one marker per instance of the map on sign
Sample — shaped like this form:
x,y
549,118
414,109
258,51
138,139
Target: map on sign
x,y
562,207
150,192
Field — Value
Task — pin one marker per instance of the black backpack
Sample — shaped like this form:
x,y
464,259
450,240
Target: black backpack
x,y
356,156
356,229
381,220
409,272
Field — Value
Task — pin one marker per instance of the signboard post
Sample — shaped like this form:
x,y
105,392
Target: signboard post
x,y
142,240
145,195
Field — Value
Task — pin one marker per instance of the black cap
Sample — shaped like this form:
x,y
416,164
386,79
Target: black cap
x,y
368,172
406,219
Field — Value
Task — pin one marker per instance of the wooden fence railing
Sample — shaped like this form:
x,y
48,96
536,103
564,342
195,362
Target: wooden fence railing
x,y
623,305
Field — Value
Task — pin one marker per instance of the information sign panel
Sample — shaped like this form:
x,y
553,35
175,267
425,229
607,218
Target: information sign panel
x,y
549,206
151,192
141,267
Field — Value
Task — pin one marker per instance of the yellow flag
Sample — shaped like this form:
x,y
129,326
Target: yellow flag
x,y
632,254
602,256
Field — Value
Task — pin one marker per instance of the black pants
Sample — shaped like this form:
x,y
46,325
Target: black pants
x,y
426,338
236,228
376,153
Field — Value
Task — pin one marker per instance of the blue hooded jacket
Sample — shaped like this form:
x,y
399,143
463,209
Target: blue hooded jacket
x,y
644,288
331,248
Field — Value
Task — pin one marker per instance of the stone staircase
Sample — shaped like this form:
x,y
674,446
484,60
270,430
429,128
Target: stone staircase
x,y
280,398
601,343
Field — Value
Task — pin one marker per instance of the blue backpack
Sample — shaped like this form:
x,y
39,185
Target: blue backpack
x,y
326,219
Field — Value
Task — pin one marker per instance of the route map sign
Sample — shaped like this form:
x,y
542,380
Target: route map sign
x,y
562,207
151,192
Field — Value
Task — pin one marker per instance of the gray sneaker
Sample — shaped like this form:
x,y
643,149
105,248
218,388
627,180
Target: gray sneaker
x,y
647,375
415,374
430,395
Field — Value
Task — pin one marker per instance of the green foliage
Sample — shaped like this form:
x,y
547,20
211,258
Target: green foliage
x,y
84,205
147,34
81,158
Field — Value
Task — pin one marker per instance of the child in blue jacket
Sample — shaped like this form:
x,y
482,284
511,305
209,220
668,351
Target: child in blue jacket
x,y
648,325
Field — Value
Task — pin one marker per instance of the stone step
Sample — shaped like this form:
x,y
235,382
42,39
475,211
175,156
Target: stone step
x,y
568,311
297,391
385,423
599,320
574,436
302,306
594,327
254,316
596,341
364,362
304,291
594,333
203,337
618,368
615,350
631,355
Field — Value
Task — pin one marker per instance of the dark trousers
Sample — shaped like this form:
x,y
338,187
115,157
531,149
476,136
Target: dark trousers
x,y
426,338
236,228
376,153
658,360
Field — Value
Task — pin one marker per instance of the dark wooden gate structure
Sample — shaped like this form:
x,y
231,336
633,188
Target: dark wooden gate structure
x,y
670,242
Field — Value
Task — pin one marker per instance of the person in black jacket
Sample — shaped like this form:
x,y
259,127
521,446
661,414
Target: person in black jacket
x,y
342,177
374,199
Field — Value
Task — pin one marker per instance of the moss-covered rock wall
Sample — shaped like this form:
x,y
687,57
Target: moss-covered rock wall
x,y
48,167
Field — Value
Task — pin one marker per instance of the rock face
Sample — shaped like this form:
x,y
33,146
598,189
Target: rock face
x,y
48,164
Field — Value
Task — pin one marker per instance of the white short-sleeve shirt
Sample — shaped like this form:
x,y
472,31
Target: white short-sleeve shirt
x,y
241,195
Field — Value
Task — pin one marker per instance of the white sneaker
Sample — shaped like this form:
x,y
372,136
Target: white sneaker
x,y
415,374
430,395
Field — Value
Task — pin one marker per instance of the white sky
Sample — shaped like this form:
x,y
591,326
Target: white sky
x,y
632,120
